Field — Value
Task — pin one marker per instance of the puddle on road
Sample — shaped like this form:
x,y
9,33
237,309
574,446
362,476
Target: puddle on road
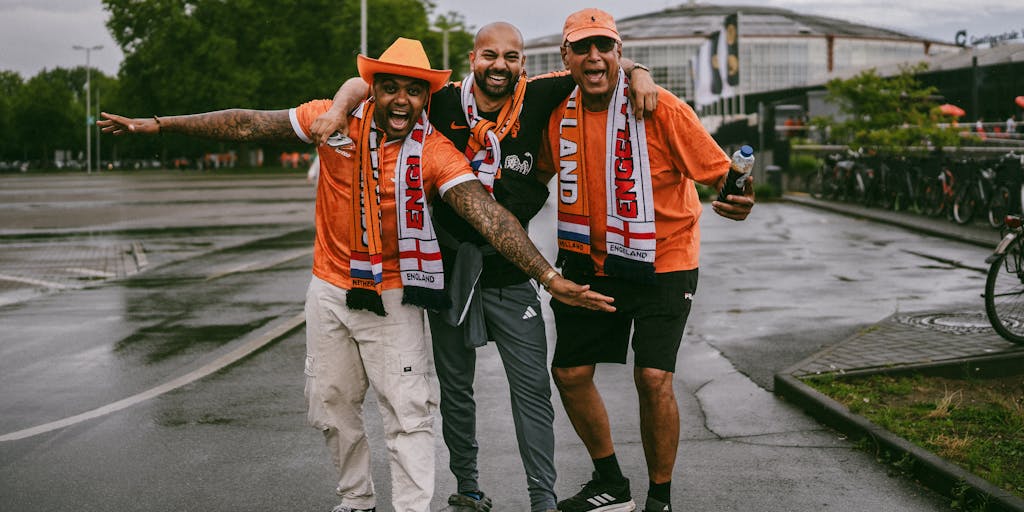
x,y
163,341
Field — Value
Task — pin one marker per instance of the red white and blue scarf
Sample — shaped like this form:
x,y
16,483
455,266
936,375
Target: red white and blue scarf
x,y
483,150
419,253
629,209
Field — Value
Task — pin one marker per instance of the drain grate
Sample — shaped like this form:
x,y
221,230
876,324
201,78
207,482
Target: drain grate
x,y
958,323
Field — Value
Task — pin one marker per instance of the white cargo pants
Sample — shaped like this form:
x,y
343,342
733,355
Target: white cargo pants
x,y
347,351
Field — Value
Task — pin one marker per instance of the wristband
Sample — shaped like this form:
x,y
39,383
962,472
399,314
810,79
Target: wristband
x,y
545,281
636,66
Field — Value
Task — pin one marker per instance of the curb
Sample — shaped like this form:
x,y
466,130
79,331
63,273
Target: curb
x,y
926,225
934,472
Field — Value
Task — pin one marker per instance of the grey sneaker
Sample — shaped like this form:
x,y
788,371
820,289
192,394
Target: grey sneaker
x,y
600,496
654,505
465,503
346,508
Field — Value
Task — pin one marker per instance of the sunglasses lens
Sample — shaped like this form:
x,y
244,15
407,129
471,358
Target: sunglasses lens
x,y
603,44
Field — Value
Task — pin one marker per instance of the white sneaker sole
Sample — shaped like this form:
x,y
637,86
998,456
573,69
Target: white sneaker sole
x,y
628,506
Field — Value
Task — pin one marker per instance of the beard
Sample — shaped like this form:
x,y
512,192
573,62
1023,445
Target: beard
x,y
495,91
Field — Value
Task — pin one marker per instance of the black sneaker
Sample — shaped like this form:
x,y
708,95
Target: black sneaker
x,y
600,496
654,505
466,502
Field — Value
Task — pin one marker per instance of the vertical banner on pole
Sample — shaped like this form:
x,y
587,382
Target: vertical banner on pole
x,y
702,75
715,56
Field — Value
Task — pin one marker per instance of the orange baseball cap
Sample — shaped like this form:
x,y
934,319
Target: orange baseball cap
x,y
589,23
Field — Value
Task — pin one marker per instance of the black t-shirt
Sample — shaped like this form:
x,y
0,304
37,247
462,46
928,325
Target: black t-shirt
x,y
518,189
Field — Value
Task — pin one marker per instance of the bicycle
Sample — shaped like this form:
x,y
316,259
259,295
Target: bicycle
x,y
1004,286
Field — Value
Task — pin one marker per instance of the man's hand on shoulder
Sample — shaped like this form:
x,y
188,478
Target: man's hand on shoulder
x,y
334,121
643,91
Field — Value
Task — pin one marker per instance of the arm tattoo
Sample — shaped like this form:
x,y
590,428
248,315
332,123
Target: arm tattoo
x,y
234,125
498,226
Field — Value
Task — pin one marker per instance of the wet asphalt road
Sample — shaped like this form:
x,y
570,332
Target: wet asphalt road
x,y
114,285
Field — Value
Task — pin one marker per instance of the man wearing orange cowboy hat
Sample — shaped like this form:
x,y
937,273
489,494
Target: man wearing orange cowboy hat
x,y
376,262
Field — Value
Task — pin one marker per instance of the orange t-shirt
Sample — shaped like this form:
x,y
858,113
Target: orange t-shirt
x,y
681,151
443,167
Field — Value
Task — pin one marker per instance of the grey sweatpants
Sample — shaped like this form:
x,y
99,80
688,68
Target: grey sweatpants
x,y
514,322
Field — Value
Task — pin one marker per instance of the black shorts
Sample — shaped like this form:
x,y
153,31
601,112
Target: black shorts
x,y
656,313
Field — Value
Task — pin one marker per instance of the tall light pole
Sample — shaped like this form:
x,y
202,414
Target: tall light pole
x,y
88,103
362,27
444,25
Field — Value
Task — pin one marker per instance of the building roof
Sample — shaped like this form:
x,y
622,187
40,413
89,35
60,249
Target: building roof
x,y
700,20
1002,54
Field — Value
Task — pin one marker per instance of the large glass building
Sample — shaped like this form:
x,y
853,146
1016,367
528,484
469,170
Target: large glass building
x,y
778,48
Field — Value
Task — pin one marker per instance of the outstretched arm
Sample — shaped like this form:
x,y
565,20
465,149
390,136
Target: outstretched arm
x,y
335,119
233,125
503,231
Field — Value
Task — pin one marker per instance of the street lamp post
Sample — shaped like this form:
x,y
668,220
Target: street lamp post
x,y
88,103
362,27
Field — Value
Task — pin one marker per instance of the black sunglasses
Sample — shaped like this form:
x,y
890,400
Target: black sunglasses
x,y
582,47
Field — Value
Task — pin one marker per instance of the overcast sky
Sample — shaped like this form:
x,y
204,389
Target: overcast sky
x,y
37,34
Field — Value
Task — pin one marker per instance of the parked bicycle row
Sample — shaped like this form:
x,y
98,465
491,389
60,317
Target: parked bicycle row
x,y
962,188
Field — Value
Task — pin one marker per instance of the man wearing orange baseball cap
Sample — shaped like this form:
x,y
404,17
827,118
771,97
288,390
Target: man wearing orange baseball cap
x,y
376,256
628,225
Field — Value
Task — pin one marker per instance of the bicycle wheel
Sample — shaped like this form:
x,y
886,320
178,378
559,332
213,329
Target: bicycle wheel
x,y
966,203
998,207
1004,295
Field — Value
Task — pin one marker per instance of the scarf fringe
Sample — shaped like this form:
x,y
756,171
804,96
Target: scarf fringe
x,y
365,299
426,298
574,265
636,271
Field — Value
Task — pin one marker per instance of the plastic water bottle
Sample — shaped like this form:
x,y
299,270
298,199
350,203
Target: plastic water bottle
x,y
742,164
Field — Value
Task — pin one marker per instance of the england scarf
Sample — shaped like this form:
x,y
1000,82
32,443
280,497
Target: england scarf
x,y
629,207
419,253
484,147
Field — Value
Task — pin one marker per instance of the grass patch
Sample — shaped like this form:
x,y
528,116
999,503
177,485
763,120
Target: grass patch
x,y
977,424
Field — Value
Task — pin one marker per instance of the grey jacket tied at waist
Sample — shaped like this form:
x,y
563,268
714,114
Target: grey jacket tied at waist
x,y
464,289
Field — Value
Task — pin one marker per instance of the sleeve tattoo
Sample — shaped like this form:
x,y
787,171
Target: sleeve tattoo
x,y
498,226
235,125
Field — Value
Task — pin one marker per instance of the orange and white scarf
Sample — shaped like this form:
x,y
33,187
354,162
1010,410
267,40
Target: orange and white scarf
x,y
484,147
419,253
629,208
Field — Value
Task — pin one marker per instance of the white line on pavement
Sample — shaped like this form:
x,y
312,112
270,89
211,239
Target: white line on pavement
x,y
213,366
34,282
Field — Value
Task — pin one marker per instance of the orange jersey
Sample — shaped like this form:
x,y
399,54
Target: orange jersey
x,y
443,167
681,151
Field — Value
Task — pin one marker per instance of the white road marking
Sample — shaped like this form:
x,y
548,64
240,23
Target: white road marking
x,y
211,367
260,265
35,282
90,272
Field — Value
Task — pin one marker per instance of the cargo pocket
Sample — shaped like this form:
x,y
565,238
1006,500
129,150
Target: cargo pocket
x,y
410,393
316,413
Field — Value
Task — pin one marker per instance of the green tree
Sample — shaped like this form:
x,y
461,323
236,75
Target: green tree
x,y
185,56
48,117
11,85
888,113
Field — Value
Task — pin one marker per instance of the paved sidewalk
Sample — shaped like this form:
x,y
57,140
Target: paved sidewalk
x,y
954,339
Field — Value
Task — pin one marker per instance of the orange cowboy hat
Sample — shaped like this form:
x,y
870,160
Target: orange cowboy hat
x,y
405,57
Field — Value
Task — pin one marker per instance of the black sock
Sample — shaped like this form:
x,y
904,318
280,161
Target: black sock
x,y
661,492
608,468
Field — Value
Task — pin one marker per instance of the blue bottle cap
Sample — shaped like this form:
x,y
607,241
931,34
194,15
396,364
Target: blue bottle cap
x,y
746,150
